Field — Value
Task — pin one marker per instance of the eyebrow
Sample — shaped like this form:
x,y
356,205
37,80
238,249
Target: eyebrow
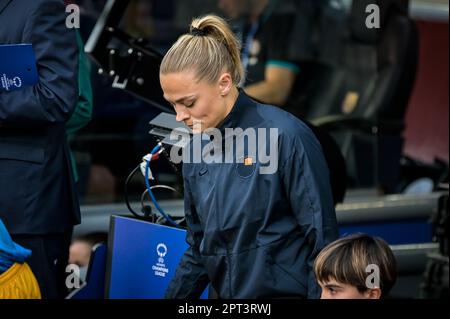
x,y
183,99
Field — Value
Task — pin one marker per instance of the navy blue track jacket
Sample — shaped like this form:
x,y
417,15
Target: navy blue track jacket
x,y
254,235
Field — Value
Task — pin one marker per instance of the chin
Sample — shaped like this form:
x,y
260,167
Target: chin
x,y
200,129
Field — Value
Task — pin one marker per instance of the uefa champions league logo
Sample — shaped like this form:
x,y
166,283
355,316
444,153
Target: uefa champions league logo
x,y
161,249
17,82
8,83
160,268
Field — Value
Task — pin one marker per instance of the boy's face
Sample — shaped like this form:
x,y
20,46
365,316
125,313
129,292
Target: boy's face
x,y
333,289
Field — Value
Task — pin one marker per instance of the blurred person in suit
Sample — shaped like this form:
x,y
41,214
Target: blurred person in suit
x,y
38,201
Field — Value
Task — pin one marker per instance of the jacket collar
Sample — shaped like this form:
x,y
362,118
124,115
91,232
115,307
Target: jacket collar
x,y
240,114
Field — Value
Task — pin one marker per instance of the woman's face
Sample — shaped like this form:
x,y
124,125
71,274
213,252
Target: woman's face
x,y
197,102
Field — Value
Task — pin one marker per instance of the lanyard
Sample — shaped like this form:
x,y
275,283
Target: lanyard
x,y
248,44
245,56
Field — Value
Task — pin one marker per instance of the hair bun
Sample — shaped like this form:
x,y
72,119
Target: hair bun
x,y
198,32
219,50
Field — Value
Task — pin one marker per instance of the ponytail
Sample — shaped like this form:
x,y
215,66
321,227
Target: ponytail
x,y
209,49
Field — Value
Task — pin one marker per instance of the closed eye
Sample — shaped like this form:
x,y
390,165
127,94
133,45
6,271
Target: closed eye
x,y
190,104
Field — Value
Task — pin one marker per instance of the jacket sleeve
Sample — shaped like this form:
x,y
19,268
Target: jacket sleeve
x,y
190,279
306,180
83,111
54,97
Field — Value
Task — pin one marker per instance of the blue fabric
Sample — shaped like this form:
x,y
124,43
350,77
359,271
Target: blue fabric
x,y
255,235
37,192
283,64
10,252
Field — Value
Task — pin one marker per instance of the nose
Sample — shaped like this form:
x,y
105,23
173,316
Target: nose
x,y
182,114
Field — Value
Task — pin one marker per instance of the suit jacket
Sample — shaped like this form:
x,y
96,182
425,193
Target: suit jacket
x,y
37,193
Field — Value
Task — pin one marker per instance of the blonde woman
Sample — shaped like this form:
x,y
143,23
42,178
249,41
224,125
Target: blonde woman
x,y
252,233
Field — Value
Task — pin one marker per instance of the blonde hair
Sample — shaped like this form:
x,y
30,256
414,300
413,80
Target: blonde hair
x,y
345,260
209,49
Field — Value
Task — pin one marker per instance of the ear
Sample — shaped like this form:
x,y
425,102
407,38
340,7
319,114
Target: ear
x,y
373,293
225,84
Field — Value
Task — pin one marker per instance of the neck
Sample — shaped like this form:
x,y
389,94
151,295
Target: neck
x,y
230,101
